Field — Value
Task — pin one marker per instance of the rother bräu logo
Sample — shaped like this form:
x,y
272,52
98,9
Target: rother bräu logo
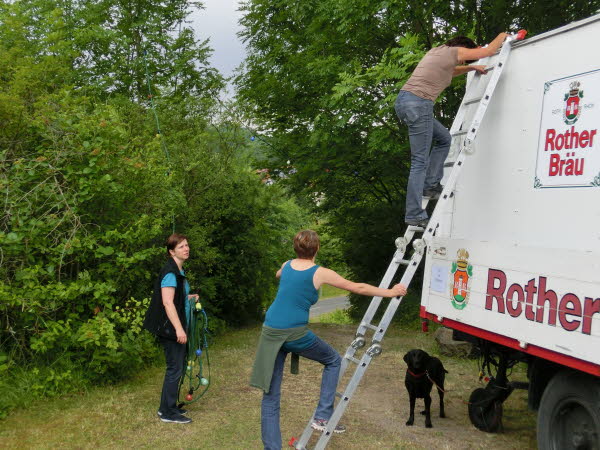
x,y
572,109
462,270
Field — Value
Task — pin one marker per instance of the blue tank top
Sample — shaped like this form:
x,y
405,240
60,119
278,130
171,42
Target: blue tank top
x,y
292,304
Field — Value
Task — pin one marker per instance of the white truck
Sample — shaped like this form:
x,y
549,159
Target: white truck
x,y
515,264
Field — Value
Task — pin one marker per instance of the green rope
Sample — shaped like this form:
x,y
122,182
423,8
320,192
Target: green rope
x,y
194,384
158,130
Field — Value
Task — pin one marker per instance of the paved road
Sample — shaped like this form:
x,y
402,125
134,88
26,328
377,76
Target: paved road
x,y
328,305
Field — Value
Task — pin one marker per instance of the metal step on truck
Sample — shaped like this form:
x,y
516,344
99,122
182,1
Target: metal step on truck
x,y
514,266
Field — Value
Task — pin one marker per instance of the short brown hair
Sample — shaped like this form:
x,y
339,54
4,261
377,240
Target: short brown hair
x,y
173,241
461,41
306,244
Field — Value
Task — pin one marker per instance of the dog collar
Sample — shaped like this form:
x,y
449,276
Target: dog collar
x,y
415,375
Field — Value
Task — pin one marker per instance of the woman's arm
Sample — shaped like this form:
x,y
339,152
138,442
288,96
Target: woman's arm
x,y
468,54
168,295
328,276
459,70
278,274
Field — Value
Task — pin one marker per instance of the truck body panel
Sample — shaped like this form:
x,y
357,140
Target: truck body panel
x,y
517,254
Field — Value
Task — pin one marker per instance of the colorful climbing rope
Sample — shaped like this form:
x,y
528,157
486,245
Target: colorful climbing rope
x,y
194,384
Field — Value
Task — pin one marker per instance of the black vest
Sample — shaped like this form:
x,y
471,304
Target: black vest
x,y
156,321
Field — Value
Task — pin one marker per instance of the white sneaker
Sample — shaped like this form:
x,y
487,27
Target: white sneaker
x,y
321,424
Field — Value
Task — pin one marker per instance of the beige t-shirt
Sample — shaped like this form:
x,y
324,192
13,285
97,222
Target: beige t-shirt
x,y
433,73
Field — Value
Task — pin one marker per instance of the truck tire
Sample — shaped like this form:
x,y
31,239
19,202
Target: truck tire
x,y
569,413
484,412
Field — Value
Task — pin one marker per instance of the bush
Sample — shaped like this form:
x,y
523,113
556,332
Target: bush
x,y
90,192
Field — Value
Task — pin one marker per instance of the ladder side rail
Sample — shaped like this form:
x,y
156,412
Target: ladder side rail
x,y
385,283
445,196
460,119
376,301
418,255
468,142
373,306
344,401
306,434
409,273
491,87
473,82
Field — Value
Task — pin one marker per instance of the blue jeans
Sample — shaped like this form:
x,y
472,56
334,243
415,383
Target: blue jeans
x,y
426,169
175,358
321,352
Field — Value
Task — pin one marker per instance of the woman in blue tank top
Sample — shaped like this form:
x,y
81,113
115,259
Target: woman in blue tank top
x,y
285,330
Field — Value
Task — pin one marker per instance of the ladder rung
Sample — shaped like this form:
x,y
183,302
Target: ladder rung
x,y
404,262
449,164
460,133
339,394
353,359
472,100
415,228
371,327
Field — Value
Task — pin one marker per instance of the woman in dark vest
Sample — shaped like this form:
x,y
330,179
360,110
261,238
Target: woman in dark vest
x,y
414,107
285,330
166,318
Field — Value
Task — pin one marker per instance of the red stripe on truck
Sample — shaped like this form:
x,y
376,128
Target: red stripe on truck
x,y
558,358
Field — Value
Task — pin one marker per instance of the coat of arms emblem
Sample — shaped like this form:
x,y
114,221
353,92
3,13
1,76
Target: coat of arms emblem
x,y
572,109
462,271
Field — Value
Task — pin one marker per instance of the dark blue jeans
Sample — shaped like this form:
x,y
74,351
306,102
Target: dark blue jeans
x,y
175,358
321,352
426,169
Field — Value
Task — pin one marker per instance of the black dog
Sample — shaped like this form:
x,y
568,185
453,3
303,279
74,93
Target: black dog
x,y
423,371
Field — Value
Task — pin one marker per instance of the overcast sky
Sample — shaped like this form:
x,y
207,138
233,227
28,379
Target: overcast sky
x,y
219,22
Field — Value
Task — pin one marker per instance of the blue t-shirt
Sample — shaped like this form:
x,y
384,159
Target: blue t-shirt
x,y
169,280
290,309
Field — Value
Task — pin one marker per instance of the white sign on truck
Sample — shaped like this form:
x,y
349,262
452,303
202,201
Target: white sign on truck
x,y
569,145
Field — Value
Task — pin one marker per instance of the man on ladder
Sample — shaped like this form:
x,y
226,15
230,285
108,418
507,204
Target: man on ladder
x,y
414,107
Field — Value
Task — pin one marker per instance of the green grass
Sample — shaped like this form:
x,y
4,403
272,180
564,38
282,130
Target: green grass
x,y
228,416
339,317
327,291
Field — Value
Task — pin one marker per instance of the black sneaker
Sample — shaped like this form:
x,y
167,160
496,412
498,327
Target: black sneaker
x,y
434,192
321,424
179,410
177,418
417,222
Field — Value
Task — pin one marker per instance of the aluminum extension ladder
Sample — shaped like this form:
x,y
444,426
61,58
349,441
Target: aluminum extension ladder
x,y
478,94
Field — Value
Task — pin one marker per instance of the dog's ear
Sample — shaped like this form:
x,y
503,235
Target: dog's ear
x,y
406,357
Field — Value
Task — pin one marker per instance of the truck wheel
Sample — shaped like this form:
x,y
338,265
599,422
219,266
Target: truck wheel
x,y
484,412
569,413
